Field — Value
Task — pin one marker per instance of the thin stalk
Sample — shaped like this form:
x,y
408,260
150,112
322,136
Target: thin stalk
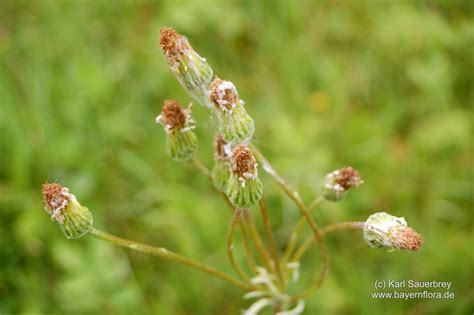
x,y
327,229
314,227
248,251
296,232
230,245
324,257
196,163
271,241
257,240
166,254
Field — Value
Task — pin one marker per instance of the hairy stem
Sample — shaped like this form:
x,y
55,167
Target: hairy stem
x,y
230,245
327,229
166,254
273,248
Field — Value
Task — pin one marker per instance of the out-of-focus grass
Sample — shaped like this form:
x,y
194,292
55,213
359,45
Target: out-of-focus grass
x,y
386,88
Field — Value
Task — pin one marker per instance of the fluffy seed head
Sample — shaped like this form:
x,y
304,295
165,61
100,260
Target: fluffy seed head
x,y
243,162
224,95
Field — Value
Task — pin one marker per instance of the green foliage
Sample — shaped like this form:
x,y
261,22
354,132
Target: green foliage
x,y
386,88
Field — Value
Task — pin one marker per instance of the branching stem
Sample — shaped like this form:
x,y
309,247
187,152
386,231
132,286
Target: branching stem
x,y
273,248
314,227
327,229
230,245
169,255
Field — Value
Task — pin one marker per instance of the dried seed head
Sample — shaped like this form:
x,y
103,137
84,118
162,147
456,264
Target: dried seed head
x,y
244,188
337,183
191,70
172,116
406,238
56,198
347,178
174,45
243,162
181,141
384,230
73,219
224,95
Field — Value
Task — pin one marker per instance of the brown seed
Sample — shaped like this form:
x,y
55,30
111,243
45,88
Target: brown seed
x,y
243,161
173,115
348,177
54,196
224,94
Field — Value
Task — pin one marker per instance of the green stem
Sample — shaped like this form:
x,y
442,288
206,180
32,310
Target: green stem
x,y
230,245
314,227
273,248
166,254
248,251
196,163
257,241
296,232
327,229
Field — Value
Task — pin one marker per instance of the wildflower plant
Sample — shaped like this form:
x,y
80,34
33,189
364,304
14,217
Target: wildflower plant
x,y
235,178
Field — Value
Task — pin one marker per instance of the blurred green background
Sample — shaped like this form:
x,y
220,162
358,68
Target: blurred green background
x,y
386,87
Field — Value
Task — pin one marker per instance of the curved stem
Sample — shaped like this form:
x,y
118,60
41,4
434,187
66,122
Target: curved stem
x,y
248,251
166,254
296,232
257,240
230,245
273,248
196,163
324,257
327,229
314,227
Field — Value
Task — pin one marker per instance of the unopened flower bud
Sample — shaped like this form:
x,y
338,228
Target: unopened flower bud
x,y
386,231
191,70
235,124
181,141
222,164
73,219
244,187
337,183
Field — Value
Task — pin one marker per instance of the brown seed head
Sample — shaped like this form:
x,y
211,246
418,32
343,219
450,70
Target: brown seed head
x,y
347,178
56,199
173,44
173,115
55,196
224,94
243,162
406,238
